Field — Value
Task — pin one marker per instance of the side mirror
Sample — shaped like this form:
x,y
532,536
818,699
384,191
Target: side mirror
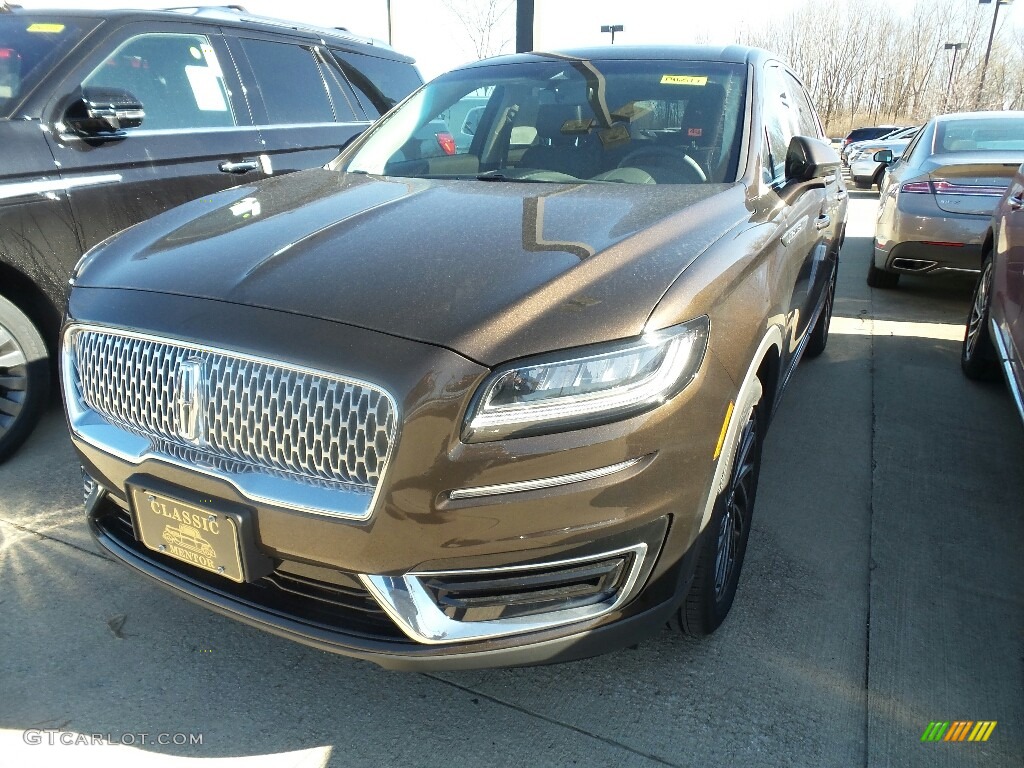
x,y
809,158
103,114
883,156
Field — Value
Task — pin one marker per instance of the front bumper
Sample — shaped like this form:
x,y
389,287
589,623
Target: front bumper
x,y
648,509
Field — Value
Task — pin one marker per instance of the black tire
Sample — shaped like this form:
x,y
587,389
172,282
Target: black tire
x,y
819,334
978,354
723,543
879,278
24,377
877,181
860,183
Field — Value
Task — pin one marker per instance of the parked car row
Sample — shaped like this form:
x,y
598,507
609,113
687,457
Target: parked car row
x,y
852,152
858,135
469,400
952,200
867,171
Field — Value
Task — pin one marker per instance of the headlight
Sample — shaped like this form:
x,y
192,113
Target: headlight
x,y
600,384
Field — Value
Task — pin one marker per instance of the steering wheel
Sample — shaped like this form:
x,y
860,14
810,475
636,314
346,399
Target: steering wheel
x,y
682,165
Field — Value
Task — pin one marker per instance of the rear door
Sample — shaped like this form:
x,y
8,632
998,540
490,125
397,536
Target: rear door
x,y
196,129
303,109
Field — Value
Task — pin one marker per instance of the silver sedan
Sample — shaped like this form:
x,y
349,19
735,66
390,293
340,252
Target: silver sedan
x,y
937,200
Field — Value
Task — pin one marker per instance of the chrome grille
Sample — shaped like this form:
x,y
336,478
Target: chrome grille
x,y
258,412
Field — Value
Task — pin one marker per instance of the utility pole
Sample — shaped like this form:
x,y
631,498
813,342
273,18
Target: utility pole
x,y
390,42
613,28
524,25
988,50
955,47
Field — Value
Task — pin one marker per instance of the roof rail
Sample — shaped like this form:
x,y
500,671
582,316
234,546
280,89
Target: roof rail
x,y
234,12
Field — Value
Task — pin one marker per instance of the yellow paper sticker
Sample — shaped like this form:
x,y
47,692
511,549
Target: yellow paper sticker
x,y
684,80
40,27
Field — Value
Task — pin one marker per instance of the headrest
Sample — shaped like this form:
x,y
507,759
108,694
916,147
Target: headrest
x,y
551,118
703,117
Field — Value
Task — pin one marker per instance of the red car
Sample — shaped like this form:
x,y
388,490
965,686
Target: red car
x,y
995,324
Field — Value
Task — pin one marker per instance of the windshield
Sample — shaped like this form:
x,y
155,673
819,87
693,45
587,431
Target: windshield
x,y
566,120
993,133
28,47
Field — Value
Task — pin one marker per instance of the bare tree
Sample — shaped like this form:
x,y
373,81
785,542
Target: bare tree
x,y
863,63
486,22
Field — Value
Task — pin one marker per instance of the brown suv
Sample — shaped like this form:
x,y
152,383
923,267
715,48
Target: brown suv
x,y
500,405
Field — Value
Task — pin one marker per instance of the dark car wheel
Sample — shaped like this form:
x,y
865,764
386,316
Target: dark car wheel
x,y
879,176
24,377
879,278
978,355
861,183
819,334
724,542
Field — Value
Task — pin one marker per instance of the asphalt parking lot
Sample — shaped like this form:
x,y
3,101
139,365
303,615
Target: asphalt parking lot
x,y
884,589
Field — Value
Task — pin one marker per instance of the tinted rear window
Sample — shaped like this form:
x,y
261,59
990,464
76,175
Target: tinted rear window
x,y
379,83
290,82
987,134
29,46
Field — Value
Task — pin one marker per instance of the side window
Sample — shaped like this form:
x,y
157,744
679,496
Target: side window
x,y
379,83
177,77
779,125
923,137
806,118
290,82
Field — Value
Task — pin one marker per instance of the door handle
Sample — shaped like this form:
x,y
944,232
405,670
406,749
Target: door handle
x,y
1016,202
822,221
243,166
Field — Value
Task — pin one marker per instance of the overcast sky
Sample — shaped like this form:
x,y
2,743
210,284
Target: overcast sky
x,y
426,30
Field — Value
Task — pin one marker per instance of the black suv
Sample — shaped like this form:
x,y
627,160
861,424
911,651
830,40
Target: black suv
x,y
110,117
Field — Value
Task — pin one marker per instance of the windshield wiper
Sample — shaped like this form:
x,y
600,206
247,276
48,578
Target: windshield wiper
x,y
499,176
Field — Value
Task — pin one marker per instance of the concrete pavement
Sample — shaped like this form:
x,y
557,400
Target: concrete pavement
x,y
883,588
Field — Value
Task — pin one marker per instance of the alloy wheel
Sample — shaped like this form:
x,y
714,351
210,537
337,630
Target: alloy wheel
x,y
979,311
738,508
13,380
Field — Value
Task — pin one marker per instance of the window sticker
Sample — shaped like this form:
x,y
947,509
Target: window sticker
x,y
206,88
684,80
46,28
695,132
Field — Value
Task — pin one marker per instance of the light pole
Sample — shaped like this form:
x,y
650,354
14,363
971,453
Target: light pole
x,y
955,47
988,50
613,28
388,3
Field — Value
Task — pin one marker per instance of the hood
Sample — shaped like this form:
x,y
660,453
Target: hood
x,y
493,270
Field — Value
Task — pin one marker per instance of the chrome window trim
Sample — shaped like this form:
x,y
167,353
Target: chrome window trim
x,y
407,602
52,186
543,482
303,494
